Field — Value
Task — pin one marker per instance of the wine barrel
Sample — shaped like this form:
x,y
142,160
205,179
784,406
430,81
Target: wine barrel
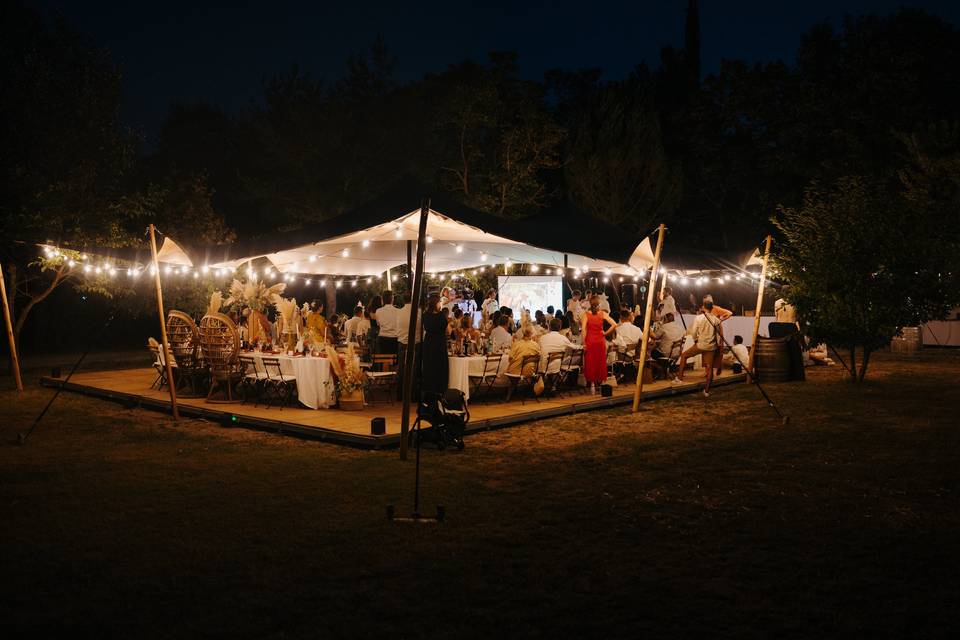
x,y
772,359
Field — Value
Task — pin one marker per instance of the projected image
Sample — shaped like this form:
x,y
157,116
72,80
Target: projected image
x,y
530,292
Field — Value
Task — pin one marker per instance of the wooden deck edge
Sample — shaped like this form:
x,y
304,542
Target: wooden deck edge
x,y
226,417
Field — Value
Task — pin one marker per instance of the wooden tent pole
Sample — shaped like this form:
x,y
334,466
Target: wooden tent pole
x,y
756,314
408,356
14,359
389,288
171,383
646,317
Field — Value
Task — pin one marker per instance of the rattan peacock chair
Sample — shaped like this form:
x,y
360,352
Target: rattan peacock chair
x,y
185,344
220,345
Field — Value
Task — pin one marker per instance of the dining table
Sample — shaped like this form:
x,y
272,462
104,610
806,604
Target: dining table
x,y
315,379
462,367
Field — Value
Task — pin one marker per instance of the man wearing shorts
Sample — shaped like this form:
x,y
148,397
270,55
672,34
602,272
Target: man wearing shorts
x,y
705,341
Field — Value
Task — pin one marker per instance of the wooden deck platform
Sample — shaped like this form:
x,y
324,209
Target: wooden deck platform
x,y
132,387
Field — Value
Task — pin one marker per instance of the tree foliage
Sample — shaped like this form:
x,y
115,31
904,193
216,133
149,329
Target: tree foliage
x,y
859,264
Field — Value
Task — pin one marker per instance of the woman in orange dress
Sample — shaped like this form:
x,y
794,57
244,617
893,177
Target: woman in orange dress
x,y
595,344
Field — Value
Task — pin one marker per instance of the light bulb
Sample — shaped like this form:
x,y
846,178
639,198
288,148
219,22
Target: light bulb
x,y
365,244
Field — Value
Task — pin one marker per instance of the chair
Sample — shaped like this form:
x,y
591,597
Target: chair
x,y
220,346
276,384
626,359
666,364
526,377
184,342
158,365
491,369
552,378
382,376
253,378
570,366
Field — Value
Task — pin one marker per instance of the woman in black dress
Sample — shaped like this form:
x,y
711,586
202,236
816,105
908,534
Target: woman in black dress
x,y
434,376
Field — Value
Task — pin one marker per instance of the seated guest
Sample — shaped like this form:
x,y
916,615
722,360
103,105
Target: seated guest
x,y
558,314
511,322
333,329
571,330
738,353
627,332
549,310
525,346
467,331
665,335
539,318
818,355
552,342
500,338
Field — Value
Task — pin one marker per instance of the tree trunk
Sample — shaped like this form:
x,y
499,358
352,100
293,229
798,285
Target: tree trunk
x,y
853,364
863,364
331,301
34,300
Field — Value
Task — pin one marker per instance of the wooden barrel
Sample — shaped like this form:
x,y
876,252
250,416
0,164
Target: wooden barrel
x,y
772,359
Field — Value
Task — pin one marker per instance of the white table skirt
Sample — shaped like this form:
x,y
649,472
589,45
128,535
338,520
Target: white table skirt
x,y
314,378
461,368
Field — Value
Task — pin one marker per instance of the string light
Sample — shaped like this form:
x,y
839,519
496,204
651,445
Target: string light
x,y
86,268
345,253
307,281
398,233
337,284
312,258
534,268
429,239
483,256
195,275
459,248
323,283
365,243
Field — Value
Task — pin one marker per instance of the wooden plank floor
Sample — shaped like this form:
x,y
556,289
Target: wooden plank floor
x,y
132,386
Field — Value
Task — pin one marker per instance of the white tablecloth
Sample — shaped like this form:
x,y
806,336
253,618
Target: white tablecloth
x,y
461,368
314,378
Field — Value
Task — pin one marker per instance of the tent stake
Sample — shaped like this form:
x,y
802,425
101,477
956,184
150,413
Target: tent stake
x,y
756,314
646,317
14,360
408,356
171,383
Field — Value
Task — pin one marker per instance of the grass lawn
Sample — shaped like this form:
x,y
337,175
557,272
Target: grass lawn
x,y
694,517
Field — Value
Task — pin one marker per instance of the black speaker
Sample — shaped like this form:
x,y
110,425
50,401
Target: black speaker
x,y
628,295
378,426
782,329
606,391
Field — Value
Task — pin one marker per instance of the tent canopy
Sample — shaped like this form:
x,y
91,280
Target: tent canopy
x,y
373,238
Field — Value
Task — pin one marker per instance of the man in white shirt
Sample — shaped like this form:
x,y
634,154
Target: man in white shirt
x,y
785,311
469,307
704,332
738,353
627,332
490,303
552,342
666,334
574,306
500,338
403,336
387,318
355,325
668,305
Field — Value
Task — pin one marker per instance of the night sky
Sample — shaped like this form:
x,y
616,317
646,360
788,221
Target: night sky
x,y
186,52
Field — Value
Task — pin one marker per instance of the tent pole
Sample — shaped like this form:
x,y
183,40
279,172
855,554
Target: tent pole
x,y
646,317
756,314
408,357
389,288
14,359
410,260
171,383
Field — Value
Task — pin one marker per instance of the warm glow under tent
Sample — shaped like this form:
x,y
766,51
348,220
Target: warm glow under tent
x,y
374,238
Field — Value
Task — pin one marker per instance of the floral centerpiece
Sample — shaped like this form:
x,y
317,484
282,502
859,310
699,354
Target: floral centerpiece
x,y
350,378
257,297
287,308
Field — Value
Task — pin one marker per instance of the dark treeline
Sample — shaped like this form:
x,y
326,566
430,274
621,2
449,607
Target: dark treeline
x,y
713,157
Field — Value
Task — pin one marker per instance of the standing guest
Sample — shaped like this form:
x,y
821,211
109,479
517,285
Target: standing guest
x,y
490,304
585,301
356,326
449,298
667,303
435,377
785,311
403,337
500,338
375,303
574,306
595,344
722,315
704,332
468,306
387,318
